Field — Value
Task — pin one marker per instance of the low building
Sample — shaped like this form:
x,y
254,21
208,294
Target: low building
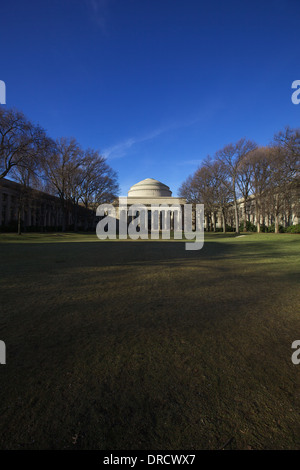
x,y
37,210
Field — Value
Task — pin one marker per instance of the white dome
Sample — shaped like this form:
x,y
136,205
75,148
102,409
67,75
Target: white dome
x,y
149,188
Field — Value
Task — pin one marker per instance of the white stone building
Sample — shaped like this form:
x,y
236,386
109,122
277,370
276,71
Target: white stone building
x,y
152,194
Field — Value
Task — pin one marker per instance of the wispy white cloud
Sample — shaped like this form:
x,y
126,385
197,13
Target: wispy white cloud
x,y
205,114
120,150
98,11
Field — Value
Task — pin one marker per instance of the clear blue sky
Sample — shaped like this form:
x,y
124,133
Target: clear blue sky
x,y
155,85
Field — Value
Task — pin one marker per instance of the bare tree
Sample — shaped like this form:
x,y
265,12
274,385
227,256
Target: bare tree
x,y
61,168
189,191
230,159
199,188
288,142
220,191
99,183
269,177
285,171
244,183
259,160
20,141
29,179
79,177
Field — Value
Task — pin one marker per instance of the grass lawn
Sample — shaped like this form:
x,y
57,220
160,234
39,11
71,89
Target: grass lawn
x,y
143,345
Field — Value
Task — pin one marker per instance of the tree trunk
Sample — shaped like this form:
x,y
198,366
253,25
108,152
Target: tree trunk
x,y
276,223
245,217
237,229
19,221
257,215
277,213
75,216
214,222
223,222
207,222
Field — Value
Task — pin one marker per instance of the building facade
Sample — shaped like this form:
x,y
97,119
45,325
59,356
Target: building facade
x,y
40,211
35,210
152,193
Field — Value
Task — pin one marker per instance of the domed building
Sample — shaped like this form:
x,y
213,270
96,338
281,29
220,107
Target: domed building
x,y
151,193
149,188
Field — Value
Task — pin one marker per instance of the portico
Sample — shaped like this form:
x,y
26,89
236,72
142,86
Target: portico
x,y
153,195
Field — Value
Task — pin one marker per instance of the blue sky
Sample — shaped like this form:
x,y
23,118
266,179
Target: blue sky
x,y
155,85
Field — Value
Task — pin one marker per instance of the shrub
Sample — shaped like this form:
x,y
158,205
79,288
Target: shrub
x,y
263,228
249,226
271,228
293,229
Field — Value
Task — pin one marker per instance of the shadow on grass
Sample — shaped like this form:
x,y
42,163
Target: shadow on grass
x,y
147,346
134,253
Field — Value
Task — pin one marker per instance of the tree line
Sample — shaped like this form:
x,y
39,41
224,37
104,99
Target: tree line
x,y
265,179
61,167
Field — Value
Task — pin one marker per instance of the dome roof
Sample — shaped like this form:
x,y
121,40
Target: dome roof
x,y
149,188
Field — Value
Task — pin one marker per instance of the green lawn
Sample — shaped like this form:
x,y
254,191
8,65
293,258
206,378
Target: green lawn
x,y
143,345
